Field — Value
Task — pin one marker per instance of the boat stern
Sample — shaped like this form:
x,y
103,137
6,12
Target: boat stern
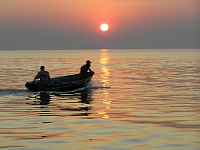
x,y
29,85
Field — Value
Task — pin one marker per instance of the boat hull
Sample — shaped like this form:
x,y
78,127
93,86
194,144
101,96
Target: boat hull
x,y
65,83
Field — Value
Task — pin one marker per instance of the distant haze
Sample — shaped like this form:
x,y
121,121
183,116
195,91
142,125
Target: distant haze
x,y
74,24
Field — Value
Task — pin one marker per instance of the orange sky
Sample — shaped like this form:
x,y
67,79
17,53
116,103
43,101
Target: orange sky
x,y
93,12
87,15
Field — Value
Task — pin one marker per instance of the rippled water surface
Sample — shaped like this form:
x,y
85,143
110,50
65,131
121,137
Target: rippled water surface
x,y
137,99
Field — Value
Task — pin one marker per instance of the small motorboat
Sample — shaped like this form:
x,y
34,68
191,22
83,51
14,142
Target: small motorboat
x,y
64,83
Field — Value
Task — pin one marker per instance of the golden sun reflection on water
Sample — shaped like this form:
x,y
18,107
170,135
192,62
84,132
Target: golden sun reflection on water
x,y
105,72
104,60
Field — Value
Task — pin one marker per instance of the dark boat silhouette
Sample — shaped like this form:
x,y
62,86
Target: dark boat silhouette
x,y
64,83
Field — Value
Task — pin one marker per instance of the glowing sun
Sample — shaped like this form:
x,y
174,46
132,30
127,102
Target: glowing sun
x,y
104,27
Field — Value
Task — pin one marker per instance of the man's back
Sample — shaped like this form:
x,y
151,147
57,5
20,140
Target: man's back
x,y
44,76
84,69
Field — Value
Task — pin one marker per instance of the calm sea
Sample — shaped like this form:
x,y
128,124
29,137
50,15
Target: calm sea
x,y
137,99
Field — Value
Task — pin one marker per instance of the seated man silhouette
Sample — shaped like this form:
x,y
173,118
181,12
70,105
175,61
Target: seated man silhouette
x,y
85,68
43,75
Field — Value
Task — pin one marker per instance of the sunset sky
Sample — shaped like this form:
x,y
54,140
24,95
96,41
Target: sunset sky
x,y
75,24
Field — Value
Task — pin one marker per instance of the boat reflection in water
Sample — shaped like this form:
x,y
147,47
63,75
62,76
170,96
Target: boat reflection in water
x,y
44,98
70,104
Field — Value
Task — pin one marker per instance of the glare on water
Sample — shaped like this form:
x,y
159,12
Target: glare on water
x,y
137,99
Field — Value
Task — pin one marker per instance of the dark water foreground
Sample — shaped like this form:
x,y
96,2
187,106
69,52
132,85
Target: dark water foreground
x,y
136,100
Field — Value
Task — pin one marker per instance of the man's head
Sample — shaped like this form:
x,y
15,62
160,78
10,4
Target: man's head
x,y
42,68
88,62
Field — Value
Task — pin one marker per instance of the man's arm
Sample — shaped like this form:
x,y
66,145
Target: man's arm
x,y
37,76
90,70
